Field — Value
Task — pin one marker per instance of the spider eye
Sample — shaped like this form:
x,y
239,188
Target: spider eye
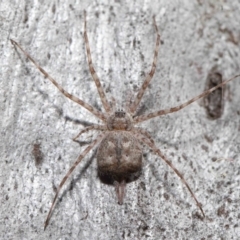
x,y
120,114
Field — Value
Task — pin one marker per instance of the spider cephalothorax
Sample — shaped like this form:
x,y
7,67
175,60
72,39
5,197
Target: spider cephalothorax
x,y
119,120
119,154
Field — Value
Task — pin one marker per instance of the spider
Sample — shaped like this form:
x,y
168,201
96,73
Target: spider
x,y
119,153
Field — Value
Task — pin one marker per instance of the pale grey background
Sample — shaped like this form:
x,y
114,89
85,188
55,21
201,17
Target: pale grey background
x,y
196,35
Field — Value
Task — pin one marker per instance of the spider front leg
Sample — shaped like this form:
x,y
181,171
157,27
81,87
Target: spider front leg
x,y
92,70
149,77
79,159
144,138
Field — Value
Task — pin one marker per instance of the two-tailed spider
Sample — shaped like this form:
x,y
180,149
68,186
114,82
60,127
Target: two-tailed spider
x,y
119,154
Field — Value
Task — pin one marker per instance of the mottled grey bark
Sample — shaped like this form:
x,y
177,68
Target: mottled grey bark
x,y
196,36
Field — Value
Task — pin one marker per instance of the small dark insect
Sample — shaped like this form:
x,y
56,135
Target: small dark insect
x,y
119,154
37,153
213,102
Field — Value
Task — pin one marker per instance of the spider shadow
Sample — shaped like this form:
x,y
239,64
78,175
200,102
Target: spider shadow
x,y
167,178
77,121
74,181
105,179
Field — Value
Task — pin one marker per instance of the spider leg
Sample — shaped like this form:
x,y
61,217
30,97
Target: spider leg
x,y
177,108
143,137
145,84
91,109
143,132
87,129
92,70
81,156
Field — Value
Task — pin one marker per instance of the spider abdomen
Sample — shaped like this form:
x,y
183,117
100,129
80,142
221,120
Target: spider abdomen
x,y
119,156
